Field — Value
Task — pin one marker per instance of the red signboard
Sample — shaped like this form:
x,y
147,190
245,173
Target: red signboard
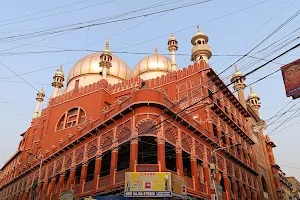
x,y
291,78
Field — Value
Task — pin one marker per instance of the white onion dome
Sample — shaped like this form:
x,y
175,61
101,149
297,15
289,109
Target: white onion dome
x,y
252,95
153,66
86,71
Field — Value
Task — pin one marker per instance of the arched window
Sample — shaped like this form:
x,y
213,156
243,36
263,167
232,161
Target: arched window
x,y
72,117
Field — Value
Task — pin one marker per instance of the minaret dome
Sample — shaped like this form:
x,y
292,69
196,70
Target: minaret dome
x,y
201,50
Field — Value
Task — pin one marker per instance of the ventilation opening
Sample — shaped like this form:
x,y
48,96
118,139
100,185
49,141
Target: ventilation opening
x,y
77,174
123,156
170,153
147,150
105,164
90,171
187,171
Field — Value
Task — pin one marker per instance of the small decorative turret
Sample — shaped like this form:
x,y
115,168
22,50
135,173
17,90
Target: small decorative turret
x,y
201,50
253,101
172,47
106,59
239,85
58,80
39,98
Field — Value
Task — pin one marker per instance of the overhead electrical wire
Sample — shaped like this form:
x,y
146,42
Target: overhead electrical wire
x,y
113,20
55,14
253,34
214,19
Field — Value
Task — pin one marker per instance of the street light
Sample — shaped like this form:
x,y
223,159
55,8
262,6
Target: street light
x,y
214,162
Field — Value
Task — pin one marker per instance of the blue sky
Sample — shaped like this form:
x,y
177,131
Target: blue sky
x,y
233,34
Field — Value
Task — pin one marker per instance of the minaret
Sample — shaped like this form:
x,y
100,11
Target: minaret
x,y
253,101
39,98
58,80
105,60
201,50
172,47
239,85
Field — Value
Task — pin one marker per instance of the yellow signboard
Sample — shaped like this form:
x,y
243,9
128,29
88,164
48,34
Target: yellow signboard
x,y
179,184
148,184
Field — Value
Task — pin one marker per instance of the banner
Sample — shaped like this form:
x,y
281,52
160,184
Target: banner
x,y
148,184
291,78
178,184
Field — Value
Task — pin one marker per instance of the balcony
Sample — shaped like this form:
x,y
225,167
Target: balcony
x,y
219,111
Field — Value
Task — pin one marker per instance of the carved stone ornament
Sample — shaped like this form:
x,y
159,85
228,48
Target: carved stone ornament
x,y
259,126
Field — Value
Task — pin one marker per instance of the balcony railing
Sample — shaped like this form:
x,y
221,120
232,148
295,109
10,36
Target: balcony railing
x,y
203,188
88,186
147,168
120,176
103,182
189,183
76,190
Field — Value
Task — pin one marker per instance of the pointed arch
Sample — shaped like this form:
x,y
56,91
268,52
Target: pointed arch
x,y
147,127
123,135
171,136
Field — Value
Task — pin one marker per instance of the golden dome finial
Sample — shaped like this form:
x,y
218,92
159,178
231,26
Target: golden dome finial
x,y
60,68
155,50
172,35
235,68
198,27
107,45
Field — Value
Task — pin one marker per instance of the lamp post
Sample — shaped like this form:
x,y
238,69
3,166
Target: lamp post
x,y
214,162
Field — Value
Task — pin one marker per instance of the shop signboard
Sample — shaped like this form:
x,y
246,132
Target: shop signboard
x,y
178,184
148,184
291,78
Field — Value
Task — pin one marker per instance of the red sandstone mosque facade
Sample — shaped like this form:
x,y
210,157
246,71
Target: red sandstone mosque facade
x,y
110,120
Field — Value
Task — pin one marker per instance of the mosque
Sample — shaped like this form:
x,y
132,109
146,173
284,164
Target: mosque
x,y
121,132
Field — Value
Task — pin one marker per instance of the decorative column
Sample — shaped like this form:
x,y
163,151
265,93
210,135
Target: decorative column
x,y
45,187
60,182
133,154
235,188
51,185
161,154
25,195
195,174
83,176
227,186
207,177
71,178
248,192
97,171
179,164
113,166
219,131
38,189
242,191
254,196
